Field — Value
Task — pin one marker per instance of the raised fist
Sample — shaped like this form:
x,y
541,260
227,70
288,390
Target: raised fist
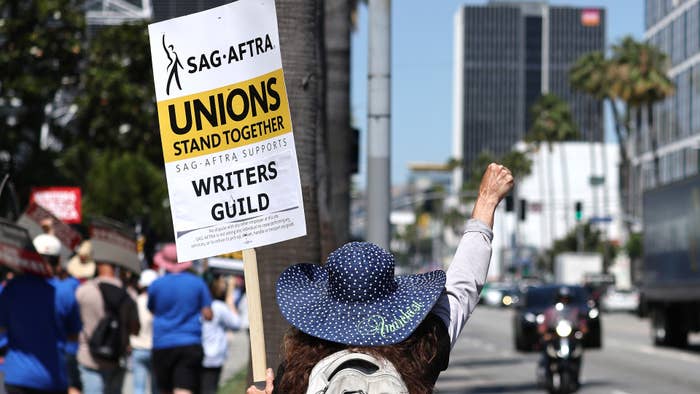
x,y
495,183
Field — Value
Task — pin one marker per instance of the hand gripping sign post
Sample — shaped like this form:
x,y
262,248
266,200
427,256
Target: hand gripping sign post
x,y
226,130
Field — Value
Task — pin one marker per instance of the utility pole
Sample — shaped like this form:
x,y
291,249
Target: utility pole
x,y
378,123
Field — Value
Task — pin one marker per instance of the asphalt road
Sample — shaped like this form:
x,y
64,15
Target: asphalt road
x,y
484,360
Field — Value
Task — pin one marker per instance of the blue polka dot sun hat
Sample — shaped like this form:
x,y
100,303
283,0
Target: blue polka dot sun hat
x,y
354,299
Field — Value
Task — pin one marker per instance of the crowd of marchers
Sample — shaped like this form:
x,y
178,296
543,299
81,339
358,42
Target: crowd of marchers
x,y
83,328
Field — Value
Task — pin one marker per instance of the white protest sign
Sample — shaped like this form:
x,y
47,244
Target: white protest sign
x,y
226,130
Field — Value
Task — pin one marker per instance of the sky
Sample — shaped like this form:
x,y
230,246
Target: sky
x,y
421,76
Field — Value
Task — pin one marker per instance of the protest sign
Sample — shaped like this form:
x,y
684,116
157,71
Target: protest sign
x,y
226,130
17,251
63,202
114,242
31,220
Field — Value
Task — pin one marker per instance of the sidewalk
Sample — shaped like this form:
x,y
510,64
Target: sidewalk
x,y
238,356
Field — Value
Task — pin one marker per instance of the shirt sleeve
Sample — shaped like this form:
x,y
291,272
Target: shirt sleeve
x,y
228,319
465,278
204,296
150,304
73,322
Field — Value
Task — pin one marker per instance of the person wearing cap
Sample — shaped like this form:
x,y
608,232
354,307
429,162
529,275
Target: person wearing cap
x,y
178,300
95,297
355,302
142,343
81,265
40,316
61,278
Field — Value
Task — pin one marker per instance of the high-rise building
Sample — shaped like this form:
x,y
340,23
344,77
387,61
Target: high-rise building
x,y
166,9
507,54
673,26
100,13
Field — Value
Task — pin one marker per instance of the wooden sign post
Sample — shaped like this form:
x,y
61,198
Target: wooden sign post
x,y
257,333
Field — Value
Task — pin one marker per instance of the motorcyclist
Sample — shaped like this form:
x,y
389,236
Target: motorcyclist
x,y
562,309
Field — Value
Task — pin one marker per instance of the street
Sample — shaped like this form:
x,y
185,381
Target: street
x,y
484,360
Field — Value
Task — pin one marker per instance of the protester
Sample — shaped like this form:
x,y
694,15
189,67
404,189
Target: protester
x,y
214,341
6,277
354,302
97,298
81,265
142,343
177,301
39,316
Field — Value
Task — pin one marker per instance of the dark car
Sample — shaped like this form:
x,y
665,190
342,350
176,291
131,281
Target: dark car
x,y
534,300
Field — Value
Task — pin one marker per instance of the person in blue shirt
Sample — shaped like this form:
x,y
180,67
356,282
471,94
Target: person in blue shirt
x,y
39,316
75,385
178,301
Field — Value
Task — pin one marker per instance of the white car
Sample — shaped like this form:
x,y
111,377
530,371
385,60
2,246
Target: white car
x,y
615,300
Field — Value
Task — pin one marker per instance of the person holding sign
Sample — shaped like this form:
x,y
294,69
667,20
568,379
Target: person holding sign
x,y
355,303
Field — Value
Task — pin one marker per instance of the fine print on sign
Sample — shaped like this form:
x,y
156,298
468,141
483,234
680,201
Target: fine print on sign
x,y
226,130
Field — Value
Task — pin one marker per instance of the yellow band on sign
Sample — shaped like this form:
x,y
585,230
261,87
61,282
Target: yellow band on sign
x,y
224,118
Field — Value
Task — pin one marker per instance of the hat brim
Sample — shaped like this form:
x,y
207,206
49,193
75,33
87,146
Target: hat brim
x,y
306,304
171,266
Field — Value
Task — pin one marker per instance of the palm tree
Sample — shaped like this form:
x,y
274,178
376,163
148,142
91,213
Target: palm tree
x,y
337,26
552,123
635,78
301,38
638,75
590,75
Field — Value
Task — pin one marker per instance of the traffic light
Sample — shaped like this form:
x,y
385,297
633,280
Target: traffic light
x,y
509,203
523,210
578,207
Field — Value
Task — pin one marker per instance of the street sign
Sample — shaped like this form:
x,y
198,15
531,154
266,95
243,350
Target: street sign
x,y
600,219
596,180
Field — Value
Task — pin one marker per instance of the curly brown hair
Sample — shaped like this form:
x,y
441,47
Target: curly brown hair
x,y
411,357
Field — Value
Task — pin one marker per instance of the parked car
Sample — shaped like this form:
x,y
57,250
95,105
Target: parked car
x,y
533,302
616,300
500,294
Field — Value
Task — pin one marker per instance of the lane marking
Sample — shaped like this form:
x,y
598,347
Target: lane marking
x,y
653,351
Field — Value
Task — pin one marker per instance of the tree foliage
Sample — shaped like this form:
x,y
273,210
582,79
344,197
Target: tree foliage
x,y
117,100
593,241
128,187
41,46
552,121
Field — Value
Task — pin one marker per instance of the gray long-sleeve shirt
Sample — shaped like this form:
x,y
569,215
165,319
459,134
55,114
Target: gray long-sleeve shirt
x,y
465,278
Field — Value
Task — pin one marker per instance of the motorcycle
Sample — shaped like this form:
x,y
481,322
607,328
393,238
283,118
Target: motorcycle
x,y
559,370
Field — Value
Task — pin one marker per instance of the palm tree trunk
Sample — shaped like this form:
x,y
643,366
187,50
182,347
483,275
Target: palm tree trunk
x,y
301,38
565,184
654,142
545,231
624,157
624,167
337,45
552,199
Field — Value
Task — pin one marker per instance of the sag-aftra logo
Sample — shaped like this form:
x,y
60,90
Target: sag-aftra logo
x,y
207,61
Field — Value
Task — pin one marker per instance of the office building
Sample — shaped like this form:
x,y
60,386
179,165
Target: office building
x,y
507,54
166,9
674,28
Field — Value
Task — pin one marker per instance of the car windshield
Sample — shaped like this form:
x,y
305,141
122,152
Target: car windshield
x,y
545,296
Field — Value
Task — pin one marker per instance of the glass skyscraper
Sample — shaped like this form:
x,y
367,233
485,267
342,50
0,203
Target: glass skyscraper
x,y
507,54
673,27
